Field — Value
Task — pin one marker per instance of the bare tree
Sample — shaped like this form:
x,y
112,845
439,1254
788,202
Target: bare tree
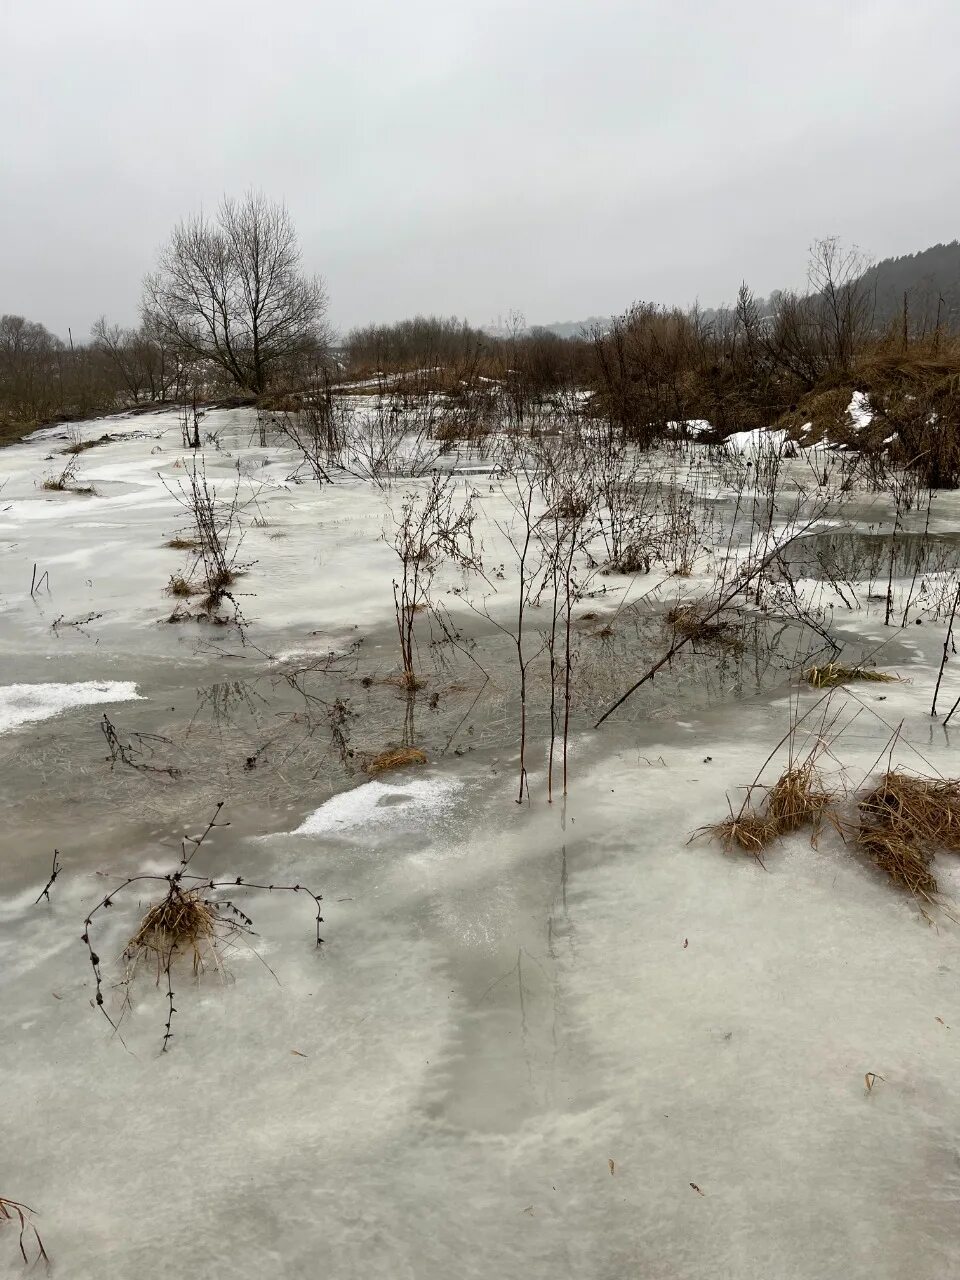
x,y
147,365
845,303
232,291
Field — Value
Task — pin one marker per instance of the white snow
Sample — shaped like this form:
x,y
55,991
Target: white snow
x,y
378,804
760,439
859,411
27,703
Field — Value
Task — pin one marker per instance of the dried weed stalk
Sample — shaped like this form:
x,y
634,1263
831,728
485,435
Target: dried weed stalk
x,y
14,1211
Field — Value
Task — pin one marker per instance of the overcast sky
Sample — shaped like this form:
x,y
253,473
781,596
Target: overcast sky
x,y
475,157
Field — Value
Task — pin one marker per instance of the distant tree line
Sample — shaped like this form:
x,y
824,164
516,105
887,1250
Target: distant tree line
x,y
229,311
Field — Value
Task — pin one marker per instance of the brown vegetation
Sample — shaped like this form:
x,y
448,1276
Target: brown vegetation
x,y
22,1214
394,758
832,674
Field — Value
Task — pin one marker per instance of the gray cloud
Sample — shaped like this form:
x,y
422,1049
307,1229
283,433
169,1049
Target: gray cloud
x,y
471,157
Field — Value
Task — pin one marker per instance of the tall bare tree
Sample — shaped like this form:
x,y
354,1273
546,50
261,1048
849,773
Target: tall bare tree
x,y
843,299
232,291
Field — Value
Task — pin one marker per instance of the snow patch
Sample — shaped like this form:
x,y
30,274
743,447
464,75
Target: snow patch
x,y
859,411
26,703
691,427
378,804
759,440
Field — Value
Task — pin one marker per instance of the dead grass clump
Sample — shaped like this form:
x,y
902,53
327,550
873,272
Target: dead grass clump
x,y
218,582
182,544
632,560
904,861
824,414
400,680
834,673
688,620
64,484
180,586
183,922
797,798
749,830
925,811
83,445
395,758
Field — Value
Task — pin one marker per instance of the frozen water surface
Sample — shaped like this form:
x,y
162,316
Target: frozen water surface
x,y
540,1040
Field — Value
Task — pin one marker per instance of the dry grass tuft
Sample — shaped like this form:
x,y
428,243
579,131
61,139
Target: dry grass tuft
x,y
688,621
905,862
395,758
399,680
180,586
834,673
748,830
60,484
798,797
183,544
904,819
83,445
924,810
185,922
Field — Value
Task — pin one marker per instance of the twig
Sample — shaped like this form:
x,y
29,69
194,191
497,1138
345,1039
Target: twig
x,y
54,872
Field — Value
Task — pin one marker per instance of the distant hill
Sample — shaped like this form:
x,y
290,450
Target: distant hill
x,y
930,279
575,328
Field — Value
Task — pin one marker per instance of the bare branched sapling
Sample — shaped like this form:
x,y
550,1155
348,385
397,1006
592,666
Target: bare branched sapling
x,y
432,527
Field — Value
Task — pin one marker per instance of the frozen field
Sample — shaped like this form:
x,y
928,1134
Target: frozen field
x,y
540,1039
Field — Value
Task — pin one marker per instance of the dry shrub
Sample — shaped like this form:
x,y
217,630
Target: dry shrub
x,y
395,758
448,431
834,673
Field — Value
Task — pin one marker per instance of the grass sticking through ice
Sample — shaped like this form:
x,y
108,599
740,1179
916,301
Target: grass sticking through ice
x,y
832,674
395,758
14,1211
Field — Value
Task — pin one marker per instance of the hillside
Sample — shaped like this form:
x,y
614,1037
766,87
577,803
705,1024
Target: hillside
x,y
929,278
